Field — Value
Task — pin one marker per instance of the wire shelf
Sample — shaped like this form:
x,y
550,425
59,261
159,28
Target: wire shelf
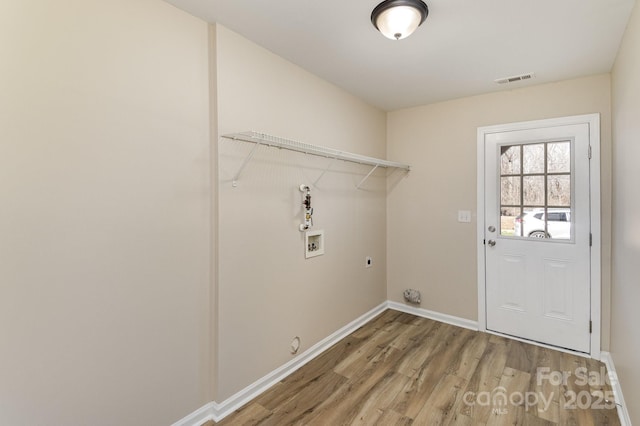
x,y
274,141
269,140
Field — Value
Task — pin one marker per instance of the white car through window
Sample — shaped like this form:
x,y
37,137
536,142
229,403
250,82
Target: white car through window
x,y
532,224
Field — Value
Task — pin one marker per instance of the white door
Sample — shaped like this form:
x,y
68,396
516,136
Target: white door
x,y
537,234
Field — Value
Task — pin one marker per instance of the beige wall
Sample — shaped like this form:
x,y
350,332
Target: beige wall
x,y
427,248
109,308
268,292
104,180
625,317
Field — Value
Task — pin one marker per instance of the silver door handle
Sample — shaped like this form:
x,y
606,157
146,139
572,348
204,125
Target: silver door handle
x,y
491,243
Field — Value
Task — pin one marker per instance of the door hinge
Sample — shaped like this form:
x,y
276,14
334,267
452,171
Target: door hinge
x,y
590,327
484,242
590,240
589,152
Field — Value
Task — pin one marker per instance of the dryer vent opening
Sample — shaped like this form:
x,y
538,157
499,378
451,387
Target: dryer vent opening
x,y
412,296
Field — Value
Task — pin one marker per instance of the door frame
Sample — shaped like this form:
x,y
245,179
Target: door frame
x,y
593,120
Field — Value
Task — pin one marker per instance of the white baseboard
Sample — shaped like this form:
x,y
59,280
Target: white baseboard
x,y
198,417
623,413
217,411
437,316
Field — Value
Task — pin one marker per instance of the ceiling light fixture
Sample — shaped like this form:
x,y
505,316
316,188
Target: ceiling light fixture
x,y
398,19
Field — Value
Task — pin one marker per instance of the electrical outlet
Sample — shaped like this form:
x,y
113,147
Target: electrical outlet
x,y
368,262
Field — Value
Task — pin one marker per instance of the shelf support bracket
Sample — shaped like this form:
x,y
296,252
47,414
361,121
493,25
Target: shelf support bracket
x,y
333,160
367,176
248,158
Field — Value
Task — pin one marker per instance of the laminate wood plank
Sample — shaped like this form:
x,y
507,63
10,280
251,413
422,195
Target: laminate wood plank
x,y
498,340
305,402
343,406
252,414
583,404
522,356
413,335
421,348
379,399
410,319
440,407
601,391
569,414
301,379
485,380
511,409
531,419
404,370
467,358
372,370
427,376
390,417
380,322
546,387
599,381
549,410
605,417
358,360
463,420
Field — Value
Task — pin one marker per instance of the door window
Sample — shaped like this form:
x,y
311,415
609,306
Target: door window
x,y
535,190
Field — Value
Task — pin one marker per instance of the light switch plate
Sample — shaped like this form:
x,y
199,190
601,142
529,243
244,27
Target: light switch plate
x,y
464,216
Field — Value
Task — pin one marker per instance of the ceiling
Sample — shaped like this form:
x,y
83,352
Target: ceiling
x,y
463,46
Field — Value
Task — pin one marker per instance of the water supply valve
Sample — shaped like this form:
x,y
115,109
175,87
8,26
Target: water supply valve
x,y
308,210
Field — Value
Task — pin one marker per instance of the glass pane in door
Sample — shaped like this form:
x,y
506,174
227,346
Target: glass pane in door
x,y
535,190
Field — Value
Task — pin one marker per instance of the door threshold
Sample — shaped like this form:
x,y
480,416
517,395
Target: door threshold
x,y
543,345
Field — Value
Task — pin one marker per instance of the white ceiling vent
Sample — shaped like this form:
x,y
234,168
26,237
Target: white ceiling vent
x,y
514,78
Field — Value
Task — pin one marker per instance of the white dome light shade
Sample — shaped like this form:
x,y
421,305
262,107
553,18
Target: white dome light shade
x,y
398,22
398,19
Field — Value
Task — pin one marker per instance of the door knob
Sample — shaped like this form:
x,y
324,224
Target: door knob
x,y
491,243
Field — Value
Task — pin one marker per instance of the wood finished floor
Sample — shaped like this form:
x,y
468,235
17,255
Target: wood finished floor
x,y
400,369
